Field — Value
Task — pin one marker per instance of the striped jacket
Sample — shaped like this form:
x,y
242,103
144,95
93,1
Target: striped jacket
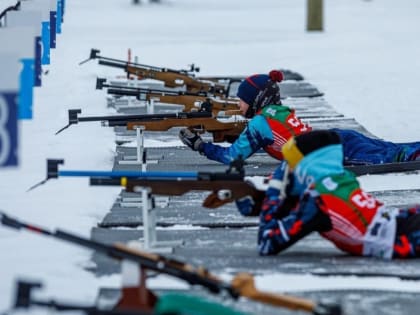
x,y
268,130
332,203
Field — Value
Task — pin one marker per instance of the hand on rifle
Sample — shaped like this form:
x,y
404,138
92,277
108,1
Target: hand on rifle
x,y
276,194
245,205
275,197
191,139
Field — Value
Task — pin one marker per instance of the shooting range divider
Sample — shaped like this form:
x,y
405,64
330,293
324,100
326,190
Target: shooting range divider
x,y
30,30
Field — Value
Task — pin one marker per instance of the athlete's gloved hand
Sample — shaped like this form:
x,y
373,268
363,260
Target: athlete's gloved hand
x,y
278,182
275,194
191,139
245,205
268,239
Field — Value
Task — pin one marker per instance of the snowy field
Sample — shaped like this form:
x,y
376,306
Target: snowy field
x,y
366,62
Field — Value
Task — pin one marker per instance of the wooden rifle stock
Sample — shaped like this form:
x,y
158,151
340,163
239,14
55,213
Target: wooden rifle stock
x,y
175,79
223,191
191,102
222,131
170,78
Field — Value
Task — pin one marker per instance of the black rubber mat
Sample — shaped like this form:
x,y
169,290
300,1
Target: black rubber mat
x,y
236,249
188,209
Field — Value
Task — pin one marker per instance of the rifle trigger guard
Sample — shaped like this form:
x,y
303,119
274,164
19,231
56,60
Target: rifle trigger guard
x,y
198,129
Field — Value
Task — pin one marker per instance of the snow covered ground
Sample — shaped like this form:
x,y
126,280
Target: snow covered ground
x,y
366,61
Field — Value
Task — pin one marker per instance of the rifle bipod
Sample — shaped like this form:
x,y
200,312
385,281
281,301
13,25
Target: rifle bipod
x,y
141,157
148,211
147,201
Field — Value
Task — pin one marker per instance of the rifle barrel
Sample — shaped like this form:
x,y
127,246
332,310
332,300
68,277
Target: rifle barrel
x,y
124,92
129,174
115,176
106,61
114,88
133,91
146,117
115,64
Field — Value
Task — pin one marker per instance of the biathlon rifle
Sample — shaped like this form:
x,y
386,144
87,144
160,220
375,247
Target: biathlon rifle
x,y
170,77
242,284
191,101
197,121
225,186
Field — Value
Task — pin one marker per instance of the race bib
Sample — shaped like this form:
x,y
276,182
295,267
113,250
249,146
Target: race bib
x,y
380,236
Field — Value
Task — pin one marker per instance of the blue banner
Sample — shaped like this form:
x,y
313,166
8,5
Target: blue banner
x,y
38,63
63,9
53,28
59,16
45,59
8,129
26,87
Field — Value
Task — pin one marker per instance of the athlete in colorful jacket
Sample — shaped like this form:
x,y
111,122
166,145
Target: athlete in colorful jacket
x,y
329,200
272,124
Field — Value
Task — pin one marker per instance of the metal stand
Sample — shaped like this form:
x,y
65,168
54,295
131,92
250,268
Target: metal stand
x,y
150,242
131,202
134,291
150,106
140,157
123,103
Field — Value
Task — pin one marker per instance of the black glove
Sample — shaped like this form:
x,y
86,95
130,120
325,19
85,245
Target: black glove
x,y
191,139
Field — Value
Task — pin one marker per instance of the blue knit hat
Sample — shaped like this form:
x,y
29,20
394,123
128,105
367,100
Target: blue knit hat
x,y
259,90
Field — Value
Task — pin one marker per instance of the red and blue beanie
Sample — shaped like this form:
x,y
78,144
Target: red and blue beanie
x,y
259,90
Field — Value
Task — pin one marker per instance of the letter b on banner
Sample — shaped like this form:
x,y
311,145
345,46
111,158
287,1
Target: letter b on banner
x,y
8,129
9,88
